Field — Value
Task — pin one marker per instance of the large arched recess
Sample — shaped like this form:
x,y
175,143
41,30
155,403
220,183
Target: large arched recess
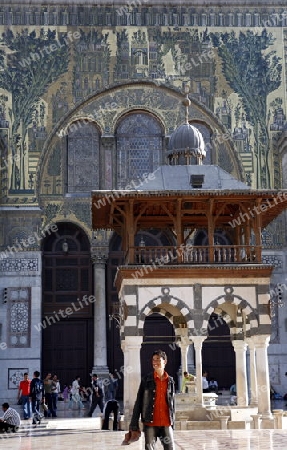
x,y
218,356
164,102
158,333
67,334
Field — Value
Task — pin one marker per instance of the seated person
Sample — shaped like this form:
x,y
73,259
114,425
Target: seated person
x,y
10,422
213,385
186,377
233,394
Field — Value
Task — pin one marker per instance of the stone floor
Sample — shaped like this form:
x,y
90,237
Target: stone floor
x,y
72,429
78,437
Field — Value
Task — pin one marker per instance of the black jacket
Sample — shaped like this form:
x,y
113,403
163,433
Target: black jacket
x,y
144,404
97,390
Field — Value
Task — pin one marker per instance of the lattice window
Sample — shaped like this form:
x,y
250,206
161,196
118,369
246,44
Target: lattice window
x,y
19,317
83,157
139,146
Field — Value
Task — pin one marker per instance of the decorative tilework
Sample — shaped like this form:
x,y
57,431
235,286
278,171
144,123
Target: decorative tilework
x,y
15,376
273,260
19,317
19,265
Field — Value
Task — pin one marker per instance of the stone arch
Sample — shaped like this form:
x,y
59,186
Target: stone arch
x,y
166,305
163,312
242,305
123,114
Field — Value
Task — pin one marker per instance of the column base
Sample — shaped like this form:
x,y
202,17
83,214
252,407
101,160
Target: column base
x,y
101,371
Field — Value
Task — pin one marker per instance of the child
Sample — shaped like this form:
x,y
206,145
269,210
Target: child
x,y
66,392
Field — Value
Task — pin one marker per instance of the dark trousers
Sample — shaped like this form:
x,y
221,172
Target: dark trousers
x,y
7,428
112,406
49,403
95,402
165,435
54,401
36,411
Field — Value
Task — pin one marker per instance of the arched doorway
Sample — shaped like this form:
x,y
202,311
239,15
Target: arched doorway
x,y
159,334
218,356
67,311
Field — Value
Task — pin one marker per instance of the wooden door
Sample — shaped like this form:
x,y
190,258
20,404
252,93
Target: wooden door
x,y
67,313
68,350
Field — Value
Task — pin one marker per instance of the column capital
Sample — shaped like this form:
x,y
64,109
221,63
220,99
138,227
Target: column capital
x,y
108,141
99,256
239,345
249,341
198,341
132,342
261,340
183,340
100,246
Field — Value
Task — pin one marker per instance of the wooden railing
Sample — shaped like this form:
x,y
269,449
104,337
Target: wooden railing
x,y
215,254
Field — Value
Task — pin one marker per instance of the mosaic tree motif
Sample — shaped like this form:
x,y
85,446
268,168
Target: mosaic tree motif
x,y
253,74
33,63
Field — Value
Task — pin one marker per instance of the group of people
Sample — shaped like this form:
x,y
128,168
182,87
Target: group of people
x,y
210,385
154,404
99,392
30,395
36,392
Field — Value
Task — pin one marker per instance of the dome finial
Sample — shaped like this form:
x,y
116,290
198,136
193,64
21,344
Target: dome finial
x,y
186,144
186,102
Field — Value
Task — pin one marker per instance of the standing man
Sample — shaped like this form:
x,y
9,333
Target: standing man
x,y
75,394
112,387
205,385
10,422
112,406
155,405
56,389
48,383
97,396
37,396
23,394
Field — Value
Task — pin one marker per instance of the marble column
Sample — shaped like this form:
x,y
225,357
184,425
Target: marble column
x,y
100,332
198,341
241,373
190,358
183,344
261,343
253,375
131,347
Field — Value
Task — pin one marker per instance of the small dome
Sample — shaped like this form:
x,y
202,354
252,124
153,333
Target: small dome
x,y
186,146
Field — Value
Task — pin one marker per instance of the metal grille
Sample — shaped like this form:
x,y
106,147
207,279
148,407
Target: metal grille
x,y
139,145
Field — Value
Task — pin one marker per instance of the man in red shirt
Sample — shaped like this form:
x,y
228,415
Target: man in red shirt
x,y
155,405
23,394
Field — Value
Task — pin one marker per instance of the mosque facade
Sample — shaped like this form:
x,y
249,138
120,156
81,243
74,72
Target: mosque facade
x,y
91,97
